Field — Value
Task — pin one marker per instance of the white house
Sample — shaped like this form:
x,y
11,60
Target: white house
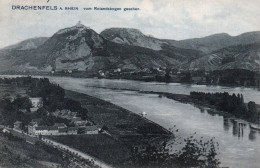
x,y
46,130
36,103
56,129
60,125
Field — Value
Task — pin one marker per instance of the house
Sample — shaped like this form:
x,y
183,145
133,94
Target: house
x,y
46,130
57,129
91,130
62,131
33,109
65,113
60,125
5,130
72,130
31,127
36,103
68,131
18,125
78,121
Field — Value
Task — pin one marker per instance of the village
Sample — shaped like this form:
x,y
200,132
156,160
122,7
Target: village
x,y
77,124
31,119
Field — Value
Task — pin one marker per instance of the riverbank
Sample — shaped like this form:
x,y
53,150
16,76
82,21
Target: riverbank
x,y
188,99
167,107
146,78
203,105
146,139
233,137
124,131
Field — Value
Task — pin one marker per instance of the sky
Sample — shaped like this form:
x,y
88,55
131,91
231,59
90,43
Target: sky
x,y
166,19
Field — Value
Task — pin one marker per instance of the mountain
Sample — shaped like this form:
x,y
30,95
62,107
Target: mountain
x,y
132,37
217,41
232,57
218,51
206,44
81,48
27,44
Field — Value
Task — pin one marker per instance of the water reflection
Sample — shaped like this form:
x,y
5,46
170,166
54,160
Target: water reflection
x,y
239,128
252,135
226,124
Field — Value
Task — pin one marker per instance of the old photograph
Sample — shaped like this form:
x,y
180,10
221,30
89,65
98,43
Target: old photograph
x,y
129,84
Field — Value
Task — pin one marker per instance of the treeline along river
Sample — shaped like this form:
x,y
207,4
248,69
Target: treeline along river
x,y
239,145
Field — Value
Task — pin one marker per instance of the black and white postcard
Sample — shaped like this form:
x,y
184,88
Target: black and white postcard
x,y
129,84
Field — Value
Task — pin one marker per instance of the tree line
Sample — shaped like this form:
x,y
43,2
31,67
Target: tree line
x,y
53,97
230,103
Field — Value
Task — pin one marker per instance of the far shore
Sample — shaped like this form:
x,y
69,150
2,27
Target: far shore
x,y
137,78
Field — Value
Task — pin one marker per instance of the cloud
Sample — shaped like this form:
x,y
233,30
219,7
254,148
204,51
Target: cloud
x,y
171,19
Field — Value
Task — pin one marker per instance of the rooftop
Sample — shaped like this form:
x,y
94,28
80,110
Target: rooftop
x,y
91,128
60,125
18,122
49,128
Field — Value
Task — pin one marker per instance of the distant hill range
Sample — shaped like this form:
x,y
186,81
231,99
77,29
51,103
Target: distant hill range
x,y
79,48
28,44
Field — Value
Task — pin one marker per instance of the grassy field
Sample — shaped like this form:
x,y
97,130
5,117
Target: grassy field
x,y
100,146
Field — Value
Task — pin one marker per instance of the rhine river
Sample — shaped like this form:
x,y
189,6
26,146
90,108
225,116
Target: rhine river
x,y
239,145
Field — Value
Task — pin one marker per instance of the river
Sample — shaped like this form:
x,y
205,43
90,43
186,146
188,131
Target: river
x,y
239,145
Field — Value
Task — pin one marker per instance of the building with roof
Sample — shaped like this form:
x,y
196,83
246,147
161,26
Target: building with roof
x,y
57,129
91,129
31,127
72,131
46,130
60,125
78,121
36,103
18,125
65,113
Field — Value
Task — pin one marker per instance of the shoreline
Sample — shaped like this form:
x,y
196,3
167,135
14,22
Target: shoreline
x,y
123,78
166,130
127,129
93,103
183,98
188,100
